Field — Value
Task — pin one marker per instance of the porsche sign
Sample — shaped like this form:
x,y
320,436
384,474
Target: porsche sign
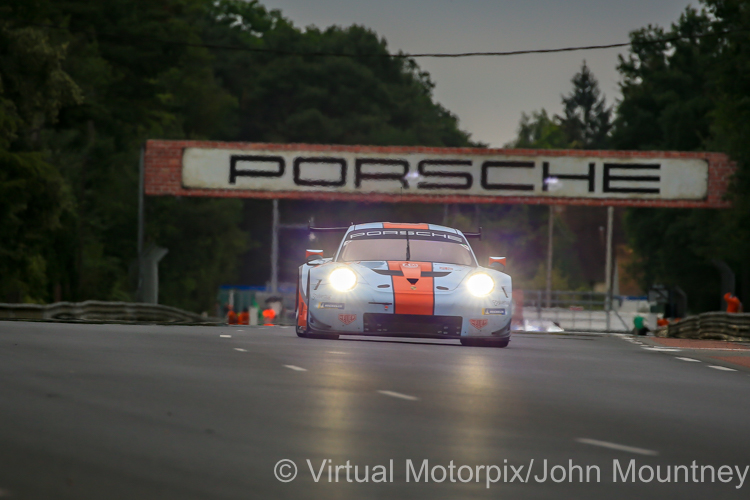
x,y
436,174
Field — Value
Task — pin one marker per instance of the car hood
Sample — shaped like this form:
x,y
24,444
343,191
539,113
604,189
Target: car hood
x,y
448,275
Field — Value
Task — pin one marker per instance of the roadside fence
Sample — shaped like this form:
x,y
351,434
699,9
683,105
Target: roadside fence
x,y
584,311
99,311
711,325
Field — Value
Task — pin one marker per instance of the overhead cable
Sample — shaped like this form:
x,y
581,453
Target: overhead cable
x,y
139,40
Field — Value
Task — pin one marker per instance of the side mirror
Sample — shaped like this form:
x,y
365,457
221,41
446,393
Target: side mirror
x,y
497,263
313,255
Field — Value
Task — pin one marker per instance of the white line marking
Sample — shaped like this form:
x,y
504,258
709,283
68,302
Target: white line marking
x,y
715,349
296,368
687,359
722,368
240,349
336,352
225,336
662,349
618,447
398,395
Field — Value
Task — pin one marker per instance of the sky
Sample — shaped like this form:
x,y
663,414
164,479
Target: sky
x,y
488,94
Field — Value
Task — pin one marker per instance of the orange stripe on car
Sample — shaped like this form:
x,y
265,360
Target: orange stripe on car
x,y
416,298
302,308
391,225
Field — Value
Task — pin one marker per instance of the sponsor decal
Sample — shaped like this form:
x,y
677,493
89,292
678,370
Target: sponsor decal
x,y
330,305
479,323
445,268
348,319
413,287
500,311
410,265
320,297
432,235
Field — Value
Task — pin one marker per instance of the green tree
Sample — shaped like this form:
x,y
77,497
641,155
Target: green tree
x,y
324,99
731,132
667,87
374,100
669,100
34,198
584,122
141,71
540,131
586,118
130,91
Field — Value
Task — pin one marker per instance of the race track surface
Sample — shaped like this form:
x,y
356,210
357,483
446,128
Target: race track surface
x,y
178,412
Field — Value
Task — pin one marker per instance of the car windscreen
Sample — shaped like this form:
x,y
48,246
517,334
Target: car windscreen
x,y
423,246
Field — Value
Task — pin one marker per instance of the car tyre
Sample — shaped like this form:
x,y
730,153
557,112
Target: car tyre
x,y
325,336
306,334
302,332
473,342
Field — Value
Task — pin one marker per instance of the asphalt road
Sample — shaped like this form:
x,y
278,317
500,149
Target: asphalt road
x,y
174,412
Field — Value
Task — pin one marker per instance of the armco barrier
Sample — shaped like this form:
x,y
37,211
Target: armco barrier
x,y
712,325
94,310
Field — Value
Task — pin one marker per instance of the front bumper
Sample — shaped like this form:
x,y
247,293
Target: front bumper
x,y
364,311
383,324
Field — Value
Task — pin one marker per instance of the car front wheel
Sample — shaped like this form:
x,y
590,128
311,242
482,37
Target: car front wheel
x,y
475,342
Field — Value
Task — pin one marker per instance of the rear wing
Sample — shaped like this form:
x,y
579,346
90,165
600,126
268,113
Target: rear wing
x,y
314,229
477,235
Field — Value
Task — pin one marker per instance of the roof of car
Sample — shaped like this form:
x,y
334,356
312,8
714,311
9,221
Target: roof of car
x,y
402,225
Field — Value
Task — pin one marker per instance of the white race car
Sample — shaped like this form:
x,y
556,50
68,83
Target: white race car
x,y
404,280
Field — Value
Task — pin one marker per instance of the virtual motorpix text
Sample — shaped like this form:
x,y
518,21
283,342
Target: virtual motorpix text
x,y
535,471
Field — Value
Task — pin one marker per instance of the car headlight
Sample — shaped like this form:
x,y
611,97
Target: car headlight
x,y
480,284
343,279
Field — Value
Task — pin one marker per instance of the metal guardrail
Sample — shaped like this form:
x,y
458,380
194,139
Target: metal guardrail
x,y
583,320
711,325
96,311
583,311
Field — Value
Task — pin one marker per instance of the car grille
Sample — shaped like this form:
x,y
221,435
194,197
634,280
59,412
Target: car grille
x,y
399,272
412,323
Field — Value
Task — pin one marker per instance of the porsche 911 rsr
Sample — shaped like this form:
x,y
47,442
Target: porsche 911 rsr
x,y
406,280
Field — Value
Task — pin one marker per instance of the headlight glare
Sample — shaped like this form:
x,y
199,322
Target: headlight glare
x,y
480,284
343,279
